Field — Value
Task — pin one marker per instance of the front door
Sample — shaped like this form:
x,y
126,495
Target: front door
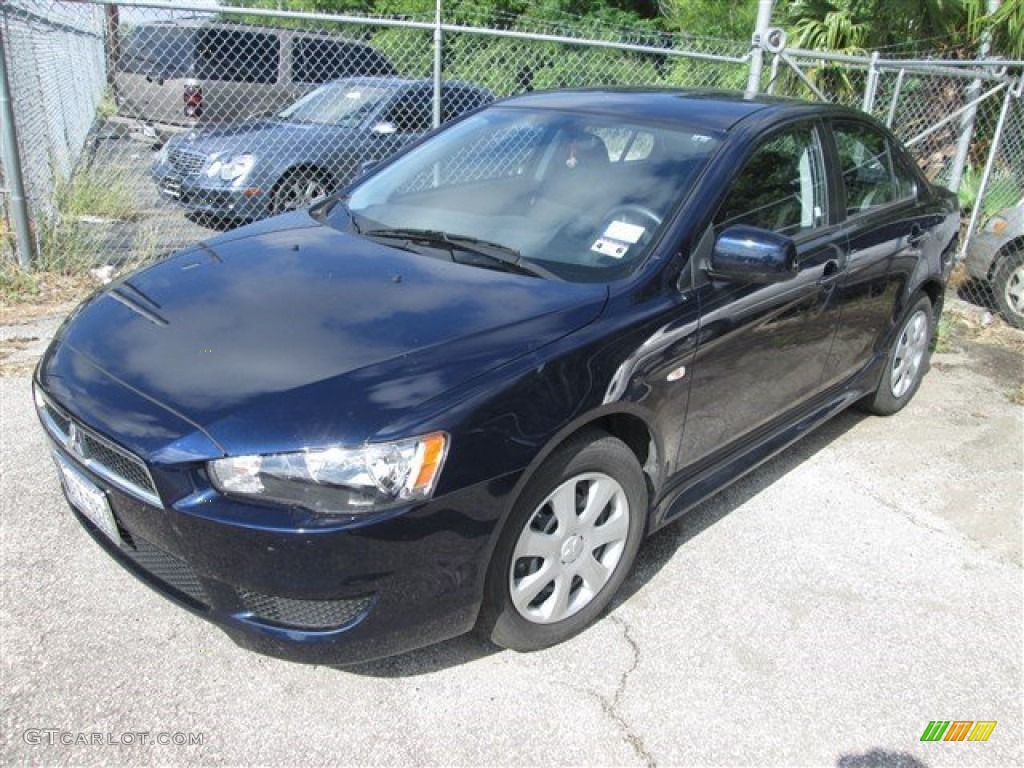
x,y
763,349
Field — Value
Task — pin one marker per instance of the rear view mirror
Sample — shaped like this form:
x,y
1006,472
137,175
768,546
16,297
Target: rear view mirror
x,y
752,255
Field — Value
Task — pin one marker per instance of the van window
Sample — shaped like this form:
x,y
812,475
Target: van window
x,y
159,51
318,61
241,57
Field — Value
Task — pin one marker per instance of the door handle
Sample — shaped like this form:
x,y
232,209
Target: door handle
x,y
917,236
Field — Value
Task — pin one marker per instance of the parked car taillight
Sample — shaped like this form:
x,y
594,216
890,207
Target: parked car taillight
x,y
193,100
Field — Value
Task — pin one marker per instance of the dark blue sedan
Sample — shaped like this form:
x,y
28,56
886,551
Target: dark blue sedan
x,y
315,146
460,393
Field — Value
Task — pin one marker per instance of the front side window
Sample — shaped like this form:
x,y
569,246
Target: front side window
x,y
580,195
781,187
872,174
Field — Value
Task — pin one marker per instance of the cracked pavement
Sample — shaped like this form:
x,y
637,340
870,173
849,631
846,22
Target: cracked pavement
x,y
820,611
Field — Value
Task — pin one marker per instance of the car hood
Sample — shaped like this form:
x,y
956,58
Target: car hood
x,y
267,137
288,333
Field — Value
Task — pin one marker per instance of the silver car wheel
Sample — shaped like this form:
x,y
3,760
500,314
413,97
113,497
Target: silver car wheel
x,y
298,191
1013,290
910,352
569,548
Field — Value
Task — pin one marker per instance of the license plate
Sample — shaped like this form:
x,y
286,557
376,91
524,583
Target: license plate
x,y
87,499
171,187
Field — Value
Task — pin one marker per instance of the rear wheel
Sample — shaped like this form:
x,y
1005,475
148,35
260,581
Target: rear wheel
x,y
907,361
1008,286
297,190
568,545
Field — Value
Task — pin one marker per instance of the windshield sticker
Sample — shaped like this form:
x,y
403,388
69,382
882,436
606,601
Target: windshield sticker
x,y
609,247
620,230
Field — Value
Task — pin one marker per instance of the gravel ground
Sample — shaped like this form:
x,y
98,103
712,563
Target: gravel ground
x,y
821,611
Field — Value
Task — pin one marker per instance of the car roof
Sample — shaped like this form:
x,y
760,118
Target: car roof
x,y
394,82
714,110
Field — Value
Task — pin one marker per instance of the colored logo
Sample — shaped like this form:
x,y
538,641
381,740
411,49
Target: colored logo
x,y
958,730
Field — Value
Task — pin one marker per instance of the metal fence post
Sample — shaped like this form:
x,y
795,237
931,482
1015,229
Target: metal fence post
x,y
764,20
1013,91
11,159
438,58
871,86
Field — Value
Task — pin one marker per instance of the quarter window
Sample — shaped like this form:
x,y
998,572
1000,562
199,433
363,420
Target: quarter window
x,y
319,61
872,173
781,187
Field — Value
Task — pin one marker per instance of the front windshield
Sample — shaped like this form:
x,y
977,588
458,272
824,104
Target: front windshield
x,y
581,195
335,104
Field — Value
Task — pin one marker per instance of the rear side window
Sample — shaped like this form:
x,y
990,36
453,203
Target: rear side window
x,y
459,100
158,51
319,61
873,176
237,56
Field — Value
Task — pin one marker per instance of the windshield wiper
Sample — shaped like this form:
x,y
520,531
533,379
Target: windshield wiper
x,y
494,253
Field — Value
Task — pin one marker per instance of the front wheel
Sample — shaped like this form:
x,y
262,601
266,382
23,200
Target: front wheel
x,y
907,360
1008,286
568,545
297,190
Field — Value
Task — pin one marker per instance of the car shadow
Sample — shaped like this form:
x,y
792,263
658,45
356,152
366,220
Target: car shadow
x,y
880,758
655,553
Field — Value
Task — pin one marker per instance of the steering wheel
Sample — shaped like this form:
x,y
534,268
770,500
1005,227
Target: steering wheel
x,y
633,211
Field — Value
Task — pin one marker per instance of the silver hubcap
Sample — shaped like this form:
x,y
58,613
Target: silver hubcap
x,y
910,351
1014,291
569,548
299,191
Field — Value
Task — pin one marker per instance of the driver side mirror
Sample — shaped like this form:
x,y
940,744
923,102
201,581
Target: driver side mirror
x,y
743,254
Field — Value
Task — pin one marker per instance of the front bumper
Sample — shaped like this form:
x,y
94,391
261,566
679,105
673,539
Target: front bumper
x,y
246,202
337,594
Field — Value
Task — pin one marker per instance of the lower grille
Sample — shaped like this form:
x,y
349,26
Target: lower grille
x,y
304,614
175,573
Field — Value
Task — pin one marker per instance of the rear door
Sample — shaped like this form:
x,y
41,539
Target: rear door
x,y
154,64
885,232
763,349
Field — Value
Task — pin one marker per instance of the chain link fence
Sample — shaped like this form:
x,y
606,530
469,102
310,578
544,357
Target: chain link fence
x,y
144,128
958,120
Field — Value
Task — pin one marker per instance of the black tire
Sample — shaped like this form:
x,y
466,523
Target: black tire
x,y
907,361
586,468
297,189
1008,286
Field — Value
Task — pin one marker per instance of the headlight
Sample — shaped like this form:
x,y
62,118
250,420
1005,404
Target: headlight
x,y
233,168
996,225
338,480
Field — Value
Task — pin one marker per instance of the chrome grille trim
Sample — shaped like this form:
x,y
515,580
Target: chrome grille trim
x,y
114,464
185,162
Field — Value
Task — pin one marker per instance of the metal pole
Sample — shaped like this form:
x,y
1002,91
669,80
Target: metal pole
x,y
963,147
12,167
895,98
438,51
871,86
1011,94
764,20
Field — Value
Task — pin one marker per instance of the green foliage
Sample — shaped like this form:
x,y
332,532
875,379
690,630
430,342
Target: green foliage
x,y
1004,189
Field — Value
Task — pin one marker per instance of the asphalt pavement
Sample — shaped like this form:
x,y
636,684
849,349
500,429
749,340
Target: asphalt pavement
x,y
822,611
